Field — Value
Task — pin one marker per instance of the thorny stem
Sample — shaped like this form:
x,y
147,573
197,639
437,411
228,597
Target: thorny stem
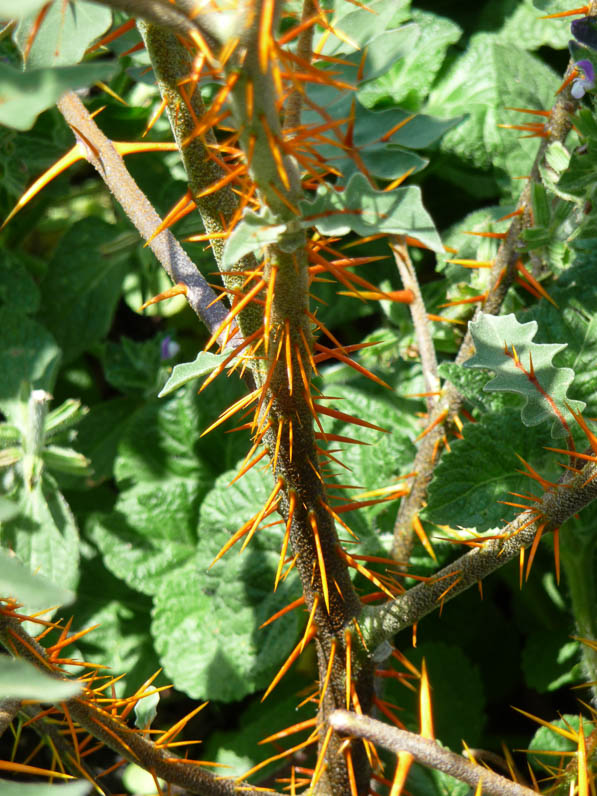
x,y
102,155
418,313
114,733
291,413
172,66
428,753
292,116
9,709
557,505
501,278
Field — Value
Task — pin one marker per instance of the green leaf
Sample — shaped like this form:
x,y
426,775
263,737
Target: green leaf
x,y
20,679
524,27
485,79
17,287
214,615
65,33
150,533
526,368
146,710
251,233
45,535
550,660
100,432
33,590
122,616
204,363
480,470
24,95
133,367
408,80
548,740
28,354
82,286
79,788
366,211
17,9
360,25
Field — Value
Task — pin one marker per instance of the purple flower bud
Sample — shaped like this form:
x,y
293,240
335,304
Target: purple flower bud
x,y
169,348
581,85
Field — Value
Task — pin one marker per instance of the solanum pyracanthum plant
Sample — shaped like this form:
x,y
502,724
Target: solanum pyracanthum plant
x,y
317,358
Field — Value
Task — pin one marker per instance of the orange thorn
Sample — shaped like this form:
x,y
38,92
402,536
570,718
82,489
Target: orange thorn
x,y
299,727
320,765
426,715
556,553
439,419
74,154
584,10
533,549
177,290
287,608
320,559
420,531
291,507
348,418
289,661
348,676
310,621
328,672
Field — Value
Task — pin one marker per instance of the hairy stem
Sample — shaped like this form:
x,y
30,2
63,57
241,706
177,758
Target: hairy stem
x,y
100,152
418,313
501,278
575,491
107,727
427,752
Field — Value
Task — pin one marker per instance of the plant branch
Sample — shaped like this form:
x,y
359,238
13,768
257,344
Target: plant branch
x,y
172,66
9,709
501,277
573,493
418,314
304,50
427,752
107,727
102,155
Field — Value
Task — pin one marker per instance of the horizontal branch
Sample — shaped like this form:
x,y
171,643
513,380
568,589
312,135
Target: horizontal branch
x,y
114,733
102,155
575,491
427,752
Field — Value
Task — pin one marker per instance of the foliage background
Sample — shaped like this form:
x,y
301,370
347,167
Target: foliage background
x,y
133,528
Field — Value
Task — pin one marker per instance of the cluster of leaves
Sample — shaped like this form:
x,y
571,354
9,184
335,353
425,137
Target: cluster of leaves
x,y
113,492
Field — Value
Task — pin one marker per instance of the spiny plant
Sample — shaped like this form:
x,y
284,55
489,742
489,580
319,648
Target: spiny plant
x,y
297,160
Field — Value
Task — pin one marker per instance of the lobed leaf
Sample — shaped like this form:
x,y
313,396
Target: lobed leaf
x,y
505,346
362,209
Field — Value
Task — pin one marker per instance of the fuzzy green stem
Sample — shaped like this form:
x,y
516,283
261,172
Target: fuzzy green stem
x,y
173,66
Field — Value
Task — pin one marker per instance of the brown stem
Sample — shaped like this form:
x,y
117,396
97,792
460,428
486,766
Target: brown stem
x,y
102,155
557,505
418,314
501,278
428,753
304,50
113,732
